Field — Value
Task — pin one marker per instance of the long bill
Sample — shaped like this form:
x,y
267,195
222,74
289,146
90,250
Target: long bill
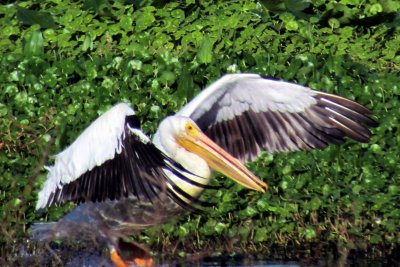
x,y
221,161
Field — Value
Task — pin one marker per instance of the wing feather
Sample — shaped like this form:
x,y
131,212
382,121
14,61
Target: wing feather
x,y
245,114
110,160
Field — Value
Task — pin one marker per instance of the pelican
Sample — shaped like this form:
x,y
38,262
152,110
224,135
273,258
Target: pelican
x,y
124,182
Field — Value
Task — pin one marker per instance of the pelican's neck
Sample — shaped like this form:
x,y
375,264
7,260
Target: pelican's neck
x,y
193,163
190,161
167,143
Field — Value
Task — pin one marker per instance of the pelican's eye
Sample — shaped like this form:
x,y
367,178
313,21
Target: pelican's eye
x,y
190,129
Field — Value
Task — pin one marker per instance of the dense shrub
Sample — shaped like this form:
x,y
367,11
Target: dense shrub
x,y
65,62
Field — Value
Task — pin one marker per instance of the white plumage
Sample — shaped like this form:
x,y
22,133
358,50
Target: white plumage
x,y
236,93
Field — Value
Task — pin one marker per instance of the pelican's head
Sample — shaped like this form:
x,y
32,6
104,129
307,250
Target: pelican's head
x,y
179,132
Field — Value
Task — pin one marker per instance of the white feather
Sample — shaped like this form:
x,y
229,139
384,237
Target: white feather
x,y
97,144
209,95
139,134
236,93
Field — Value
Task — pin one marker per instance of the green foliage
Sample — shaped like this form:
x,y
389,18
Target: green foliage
x,y
65,62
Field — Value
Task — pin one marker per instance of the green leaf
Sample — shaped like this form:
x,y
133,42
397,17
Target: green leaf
x,y
87,43
34,45
220,227
334,23
326,190
182,231
375,9
292,25
261,235
315,203
376,149
287,169
297,5
262,204
94,4
274,5
205,54
186,86
145,18
394,189
32,17
310,233
356,189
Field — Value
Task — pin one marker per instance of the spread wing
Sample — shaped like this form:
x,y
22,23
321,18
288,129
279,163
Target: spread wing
x,y
111,159
246,113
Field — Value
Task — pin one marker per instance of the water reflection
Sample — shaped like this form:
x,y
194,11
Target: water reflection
x,y
66,256
97,260
250,264
234,262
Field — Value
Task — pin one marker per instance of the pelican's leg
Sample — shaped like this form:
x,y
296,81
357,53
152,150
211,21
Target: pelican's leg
x,y
116,258
143,262
132,255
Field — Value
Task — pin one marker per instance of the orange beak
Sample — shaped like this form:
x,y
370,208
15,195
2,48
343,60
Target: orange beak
x,y
220,160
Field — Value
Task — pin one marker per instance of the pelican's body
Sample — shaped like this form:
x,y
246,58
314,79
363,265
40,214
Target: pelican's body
x,y
127,183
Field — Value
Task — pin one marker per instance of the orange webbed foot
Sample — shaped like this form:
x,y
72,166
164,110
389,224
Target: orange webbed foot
x,y
130,254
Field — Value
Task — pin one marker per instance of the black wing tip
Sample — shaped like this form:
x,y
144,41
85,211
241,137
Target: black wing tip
x,y
350,109
345,102
372,122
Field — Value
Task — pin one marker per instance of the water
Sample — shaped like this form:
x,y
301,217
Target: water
x,y
60,255
248,263
203,263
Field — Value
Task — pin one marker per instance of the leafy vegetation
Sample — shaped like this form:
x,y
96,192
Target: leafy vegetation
x,y
65,62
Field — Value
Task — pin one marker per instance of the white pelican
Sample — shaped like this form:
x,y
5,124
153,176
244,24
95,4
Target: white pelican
x,y
124,182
